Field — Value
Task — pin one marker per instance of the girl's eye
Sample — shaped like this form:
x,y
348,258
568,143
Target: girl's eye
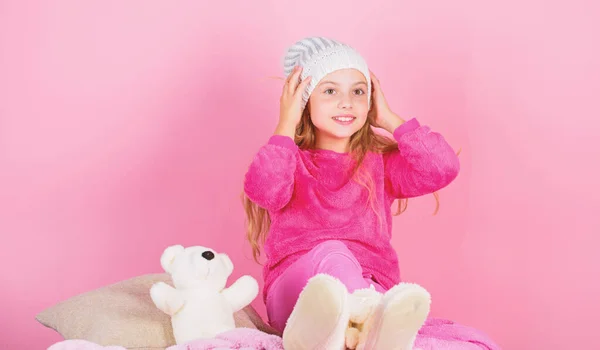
x,y
359,91
329,91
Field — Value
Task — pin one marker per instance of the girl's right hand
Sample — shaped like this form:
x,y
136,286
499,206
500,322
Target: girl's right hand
x,y
290,103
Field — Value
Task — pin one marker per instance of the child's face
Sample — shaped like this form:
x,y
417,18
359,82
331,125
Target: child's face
x,y
338,105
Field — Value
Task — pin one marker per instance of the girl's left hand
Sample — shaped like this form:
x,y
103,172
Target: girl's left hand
x,y
383,116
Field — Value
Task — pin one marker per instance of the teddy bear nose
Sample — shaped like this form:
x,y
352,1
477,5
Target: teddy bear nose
x,y
208,255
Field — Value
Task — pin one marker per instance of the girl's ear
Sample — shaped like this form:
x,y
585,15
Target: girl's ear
x,y
371,115
306,111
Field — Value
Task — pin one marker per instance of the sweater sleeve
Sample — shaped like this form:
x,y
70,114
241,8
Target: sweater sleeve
x,y
269,181
423,163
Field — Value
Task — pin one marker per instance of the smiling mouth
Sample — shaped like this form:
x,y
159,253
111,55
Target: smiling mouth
x,y
344,119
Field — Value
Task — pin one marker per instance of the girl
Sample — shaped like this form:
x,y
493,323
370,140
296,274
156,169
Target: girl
x,y
318,196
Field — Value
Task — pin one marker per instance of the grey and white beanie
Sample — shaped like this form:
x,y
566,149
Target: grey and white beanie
x,y
320,56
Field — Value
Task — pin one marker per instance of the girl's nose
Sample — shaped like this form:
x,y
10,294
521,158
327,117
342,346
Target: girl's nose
x,y
345,102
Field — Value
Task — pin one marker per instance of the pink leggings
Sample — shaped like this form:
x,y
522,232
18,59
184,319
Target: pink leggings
x,y
330,257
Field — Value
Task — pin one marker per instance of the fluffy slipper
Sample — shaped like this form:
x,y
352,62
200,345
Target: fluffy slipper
x,y
362,304
398,318
320,316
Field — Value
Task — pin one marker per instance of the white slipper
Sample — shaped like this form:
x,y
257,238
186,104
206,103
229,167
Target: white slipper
x,y
320,317
396,321
363,303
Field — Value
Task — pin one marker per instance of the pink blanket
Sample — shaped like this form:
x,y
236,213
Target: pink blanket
x,y
436,334
440,334
238,339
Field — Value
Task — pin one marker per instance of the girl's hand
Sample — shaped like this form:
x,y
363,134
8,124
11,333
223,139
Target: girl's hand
x,y
290,103
383,116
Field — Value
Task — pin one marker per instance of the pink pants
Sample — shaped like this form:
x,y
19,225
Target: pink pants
x,y
330,257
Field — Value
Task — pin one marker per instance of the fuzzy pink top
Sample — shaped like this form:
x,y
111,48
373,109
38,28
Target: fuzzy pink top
x,y
311,197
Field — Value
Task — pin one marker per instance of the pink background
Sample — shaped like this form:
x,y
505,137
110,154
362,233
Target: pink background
x,y
127,126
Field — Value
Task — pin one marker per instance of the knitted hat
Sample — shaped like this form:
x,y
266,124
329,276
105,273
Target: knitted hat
x,y
320,56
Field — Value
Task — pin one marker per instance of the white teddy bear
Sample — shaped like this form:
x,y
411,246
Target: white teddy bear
x,y
200,306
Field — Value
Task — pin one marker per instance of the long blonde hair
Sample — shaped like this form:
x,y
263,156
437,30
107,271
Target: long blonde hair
x,y
363,141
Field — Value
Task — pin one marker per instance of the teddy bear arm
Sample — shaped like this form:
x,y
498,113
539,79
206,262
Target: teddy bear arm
x,y
166,298
241,293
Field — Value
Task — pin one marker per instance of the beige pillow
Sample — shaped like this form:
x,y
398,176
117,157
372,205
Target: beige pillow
x,y
123,314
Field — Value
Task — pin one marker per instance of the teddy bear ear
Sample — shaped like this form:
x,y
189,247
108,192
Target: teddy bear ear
x,y
168,256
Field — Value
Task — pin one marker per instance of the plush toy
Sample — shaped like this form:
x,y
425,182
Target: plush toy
x,y
200,306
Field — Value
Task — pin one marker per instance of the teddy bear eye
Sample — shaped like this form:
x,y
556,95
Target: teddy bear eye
x,y
208,255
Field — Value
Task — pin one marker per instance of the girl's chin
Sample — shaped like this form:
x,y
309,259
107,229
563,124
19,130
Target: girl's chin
x,y
337,134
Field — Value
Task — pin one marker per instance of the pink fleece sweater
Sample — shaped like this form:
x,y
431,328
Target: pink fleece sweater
x,y
311,197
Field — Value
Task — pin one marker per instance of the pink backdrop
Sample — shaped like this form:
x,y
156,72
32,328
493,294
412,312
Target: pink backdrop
x,y
127,127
